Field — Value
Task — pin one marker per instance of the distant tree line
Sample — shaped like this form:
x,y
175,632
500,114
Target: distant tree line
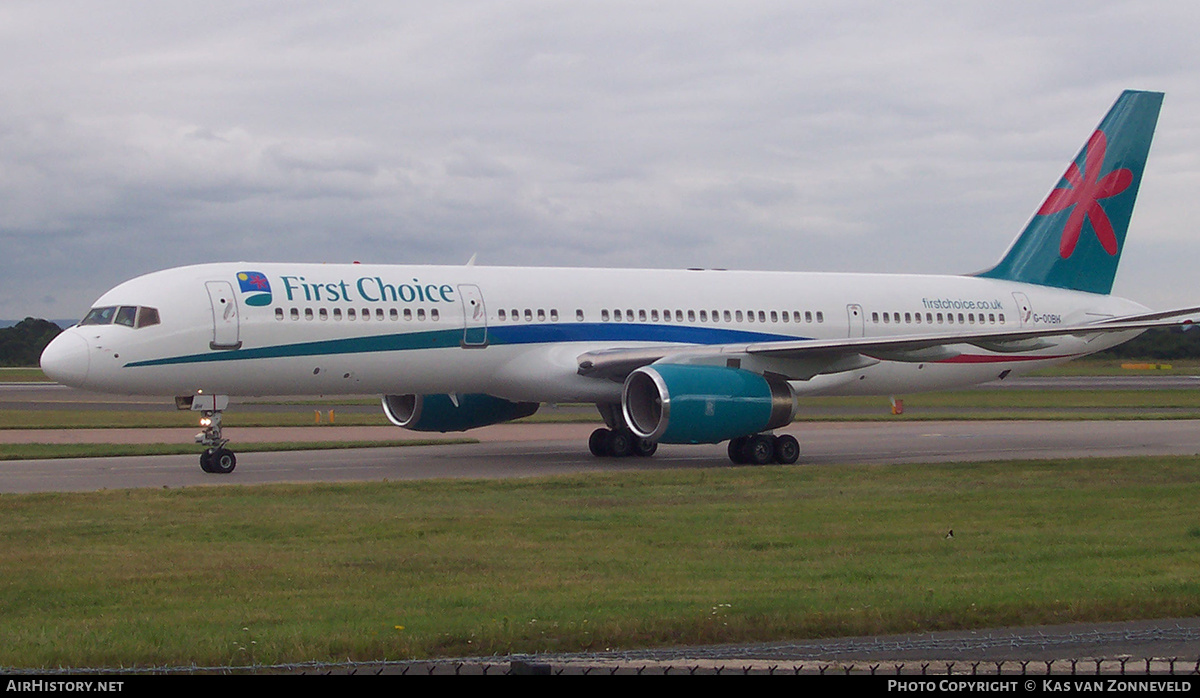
x,y
1161,344
22,344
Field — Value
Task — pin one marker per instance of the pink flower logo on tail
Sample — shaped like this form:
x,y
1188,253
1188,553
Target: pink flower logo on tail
x,y
1084,193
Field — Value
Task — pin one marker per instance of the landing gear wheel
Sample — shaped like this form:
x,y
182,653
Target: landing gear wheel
x,y
644,448
620,444
222,461
598,442
737,449
760,449
787,449
215,458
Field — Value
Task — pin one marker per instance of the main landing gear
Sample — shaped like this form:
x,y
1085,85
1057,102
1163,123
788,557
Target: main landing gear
x,y
761,449
215,458
619,443
757,449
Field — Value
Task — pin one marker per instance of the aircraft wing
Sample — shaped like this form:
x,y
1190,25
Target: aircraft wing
x,y
822,356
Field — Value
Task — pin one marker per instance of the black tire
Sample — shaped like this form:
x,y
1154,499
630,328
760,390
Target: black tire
x,y
787,449
644,448
598,442
620,444
223,461
737,450
760,449
206,460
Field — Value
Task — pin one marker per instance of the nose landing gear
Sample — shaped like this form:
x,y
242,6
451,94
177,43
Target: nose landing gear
x,y
215,458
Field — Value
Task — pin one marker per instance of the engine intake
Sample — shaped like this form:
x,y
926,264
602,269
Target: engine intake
x,y
684,404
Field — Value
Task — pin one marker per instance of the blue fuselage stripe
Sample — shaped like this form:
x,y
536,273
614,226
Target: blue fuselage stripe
x,y
496,335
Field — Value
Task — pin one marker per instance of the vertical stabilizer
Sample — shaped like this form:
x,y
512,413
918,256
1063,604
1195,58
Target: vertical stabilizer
x,y
1075,239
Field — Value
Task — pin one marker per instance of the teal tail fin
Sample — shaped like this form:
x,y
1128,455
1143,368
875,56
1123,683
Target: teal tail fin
x,y
1075,239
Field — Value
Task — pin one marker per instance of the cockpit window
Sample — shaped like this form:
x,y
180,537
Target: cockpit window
x,y
126,315
99,316
147,317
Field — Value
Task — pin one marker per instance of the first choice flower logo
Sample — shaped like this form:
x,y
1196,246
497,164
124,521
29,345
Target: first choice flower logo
x,y
256,286
1084,193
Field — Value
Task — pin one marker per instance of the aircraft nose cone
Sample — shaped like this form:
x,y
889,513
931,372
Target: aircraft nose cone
x,y
65,359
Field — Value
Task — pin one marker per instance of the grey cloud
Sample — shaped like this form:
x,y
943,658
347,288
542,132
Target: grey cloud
x,y
826,135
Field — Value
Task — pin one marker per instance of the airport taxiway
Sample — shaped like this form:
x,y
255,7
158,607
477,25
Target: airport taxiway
x,y
529,450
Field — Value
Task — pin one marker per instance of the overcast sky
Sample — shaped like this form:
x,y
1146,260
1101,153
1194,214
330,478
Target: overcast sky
x,y
875,136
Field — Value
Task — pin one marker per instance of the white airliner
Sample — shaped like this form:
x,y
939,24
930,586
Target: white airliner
x,y
695,356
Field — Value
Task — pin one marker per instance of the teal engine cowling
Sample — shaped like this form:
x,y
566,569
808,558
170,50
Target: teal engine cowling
x,y
442,413
684,404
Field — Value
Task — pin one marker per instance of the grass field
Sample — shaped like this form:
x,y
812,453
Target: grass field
x,y
963,404
266,574
8,375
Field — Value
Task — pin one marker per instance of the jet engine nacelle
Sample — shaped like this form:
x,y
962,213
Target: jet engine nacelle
x,y
443,413
685,404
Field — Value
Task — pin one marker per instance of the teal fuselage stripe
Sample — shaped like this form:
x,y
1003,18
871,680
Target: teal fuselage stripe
x,y
496,335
